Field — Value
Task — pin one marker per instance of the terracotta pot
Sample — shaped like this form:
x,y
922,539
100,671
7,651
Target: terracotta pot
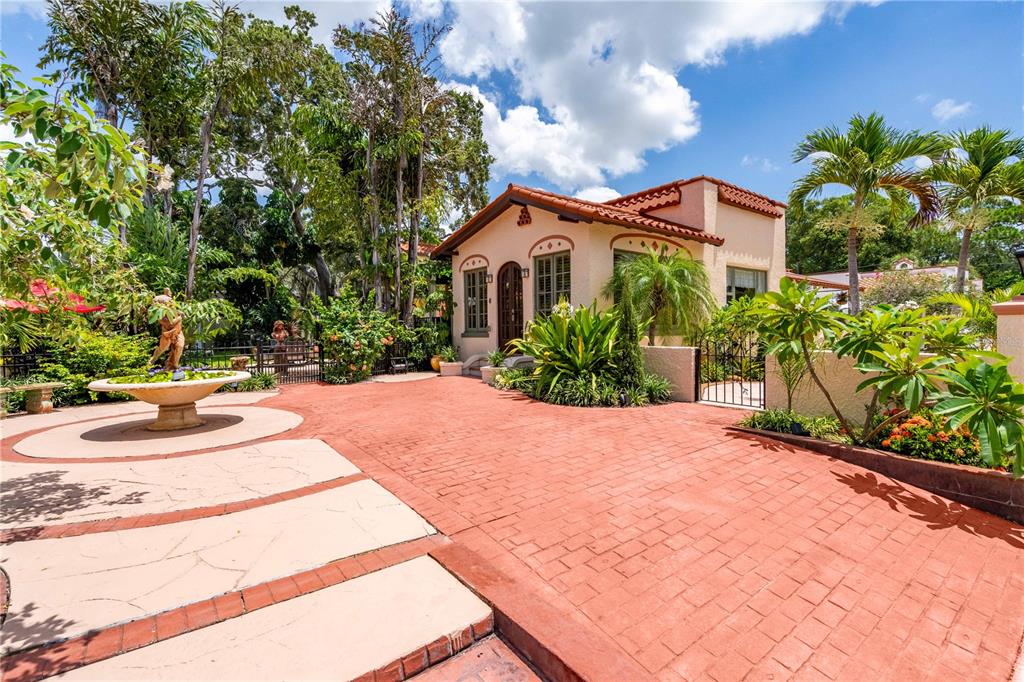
x,y
435,363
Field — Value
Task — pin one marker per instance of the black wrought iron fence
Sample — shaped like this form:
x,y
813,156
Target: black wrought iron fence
x,y
731,371
291,362
20,365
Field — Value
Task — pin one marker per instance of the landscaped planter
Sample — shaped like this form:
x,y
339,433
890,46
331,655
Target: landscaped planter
x,y
451,369
489,374
996,492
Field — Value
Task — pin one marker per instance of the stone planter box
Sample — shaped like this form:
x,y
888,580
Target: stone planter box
x,y
451,369
995,492
489,374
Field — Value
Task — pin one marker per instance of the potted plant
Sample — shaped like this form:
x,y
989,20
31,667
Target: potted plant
x,y
450,365
495,366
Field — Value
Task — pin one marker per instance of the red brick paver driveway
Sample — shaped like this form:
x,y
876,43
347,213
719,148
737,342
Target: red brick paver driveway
x,y
698,551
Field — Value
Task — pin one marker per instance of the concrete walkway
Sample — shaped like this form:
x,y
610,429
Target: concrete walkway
x,y
171,559
658,536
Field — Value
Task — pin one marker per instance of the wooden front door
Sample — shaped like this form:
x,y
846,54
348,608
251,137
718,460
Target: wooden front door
x,y
510,304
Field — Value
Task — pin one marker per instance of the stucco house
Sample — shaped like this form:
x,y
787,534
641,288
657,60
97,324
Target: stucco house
x,y
529,247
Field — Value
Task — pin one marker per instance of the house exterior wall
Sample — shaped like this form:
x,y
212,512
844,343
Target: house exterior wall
x,y
752,241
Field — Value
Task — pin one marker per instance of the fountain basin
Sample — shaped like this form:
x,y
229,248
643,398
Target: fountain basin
x,y
176,400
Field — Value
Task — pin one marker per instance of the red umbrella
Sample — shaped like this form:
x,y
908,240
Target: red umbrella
x,y
41,289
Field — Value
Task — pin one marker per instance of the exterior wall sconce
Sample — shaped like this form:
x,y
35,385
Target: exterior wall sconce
x,y
490,278
525,272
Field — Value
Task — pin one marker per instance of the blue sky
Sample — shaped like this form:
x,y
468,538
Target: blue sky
x,y
596,98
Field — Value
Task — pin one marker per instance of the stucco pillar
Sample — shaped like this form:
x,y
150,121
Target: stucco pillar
x,y
1010,334
678,364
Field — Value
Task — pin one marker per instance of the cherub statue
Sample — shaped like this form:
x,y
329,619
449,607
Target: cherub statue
x,y
172,339
280,333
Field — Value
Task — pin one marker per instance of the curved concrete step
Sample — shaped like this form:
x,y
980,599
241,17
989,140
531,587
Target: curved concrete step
x,y
396,620
68,586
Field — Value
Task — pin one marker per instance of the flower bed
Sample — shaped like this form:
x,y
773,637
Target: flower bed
x,y
996,492
165,376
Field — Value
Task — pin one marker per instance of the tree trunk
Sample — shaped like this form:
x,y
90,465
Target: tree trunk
x,y
205,134
851,257
399,221
414,234
324,280
371,168
961,266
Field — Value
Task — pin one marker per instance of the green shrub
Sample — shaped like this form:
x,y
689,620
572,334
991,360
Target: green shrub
x,y
629,361
657,388
711,372
496,357
515,379
781,421
94,355
448,354
264,381
355,336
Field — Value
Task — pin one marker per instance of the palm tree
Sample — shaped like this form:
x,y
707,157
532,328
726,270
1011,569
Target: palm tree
x,y
671,291
870,158
979,166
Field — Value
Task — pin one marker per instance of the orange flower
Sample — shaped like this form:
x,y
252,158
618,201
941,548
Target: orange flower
x,y
886,443
931,438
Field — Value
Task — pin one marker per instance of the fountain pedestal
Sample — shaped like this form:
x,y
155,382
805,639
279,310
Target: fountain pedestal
x,y
176,400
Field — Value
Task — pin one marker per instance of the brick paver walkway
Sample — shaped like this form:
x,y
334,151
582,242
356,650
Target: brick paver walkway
x,y
698,551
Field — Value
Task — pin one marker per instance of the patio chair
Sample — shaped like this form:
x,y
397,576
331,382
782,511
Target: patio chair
x,y
399,365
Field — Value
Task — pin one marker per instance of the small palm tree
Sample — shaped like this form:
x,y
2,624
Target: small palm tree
x,y
980,166
870,158
671,291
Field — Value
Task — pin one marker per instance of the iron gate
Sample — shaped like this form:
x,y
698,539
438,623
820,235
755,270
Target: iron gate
x,y
293,362
730,371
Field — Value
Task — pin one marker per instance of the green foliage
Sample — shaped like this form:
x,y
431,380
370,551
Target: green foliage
x,y
262,381
515,379
925,435
496,357
448,354
572,344
91,356
870,158
168,376
658,389
977,309
781,421
671,291
984,398
354,336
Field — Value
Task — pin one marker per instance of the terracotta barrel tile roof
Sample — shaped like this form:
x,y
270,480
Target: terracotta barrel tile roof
x,y
728,193
571,208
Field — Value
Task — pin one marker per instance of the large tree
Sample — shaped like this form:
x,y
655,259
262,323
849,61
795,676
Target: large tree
x,y
979,167
869,158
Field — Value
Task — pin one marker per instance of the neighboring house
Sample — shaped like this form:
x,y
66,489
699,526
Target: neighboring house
x,y
529,248
838,283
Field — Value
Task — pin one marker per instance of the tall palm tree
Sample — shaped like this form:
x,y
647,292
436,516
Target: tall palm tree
x,y
671,291
979,166
870,158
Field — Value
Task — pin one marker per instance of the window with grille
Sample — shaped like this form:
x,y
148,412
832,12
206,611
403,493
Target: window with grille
x,y
475,289
552,281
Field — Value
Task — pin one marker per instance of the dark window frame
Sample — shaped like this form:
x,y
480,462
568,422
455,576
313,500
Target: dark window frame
x,y
545,269
760,284
474,297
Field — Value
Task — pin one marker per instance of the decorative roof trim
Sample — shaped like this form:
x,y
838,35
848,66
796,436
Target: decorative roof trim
x,y
728,193
465,260
572,244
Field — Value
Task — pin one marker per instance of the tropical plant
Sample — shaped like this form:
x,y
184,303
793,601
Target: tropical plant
x,y
977,308
670,290
577,343
448,354
496,358
902,288
984,398
925,435
869,158
980,166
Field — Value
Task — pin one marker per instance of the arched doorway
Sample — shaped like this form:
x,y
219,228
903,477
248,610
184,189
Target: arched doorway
x,y
510,303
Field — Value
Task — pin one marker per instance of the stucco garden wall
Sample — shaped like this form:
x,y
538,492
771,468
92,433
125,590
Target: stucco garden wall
x,y
839,377
1010,334
678,364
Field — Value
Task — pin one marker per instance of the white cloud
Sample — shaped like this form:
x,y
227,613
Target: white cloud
x,y
922,162
946,109
423,10
596,82
597,193
765,165
34,8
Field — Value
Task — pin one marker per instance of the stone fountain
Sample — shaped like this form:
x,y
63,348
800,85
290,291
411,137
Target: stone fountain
x,y
176,399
